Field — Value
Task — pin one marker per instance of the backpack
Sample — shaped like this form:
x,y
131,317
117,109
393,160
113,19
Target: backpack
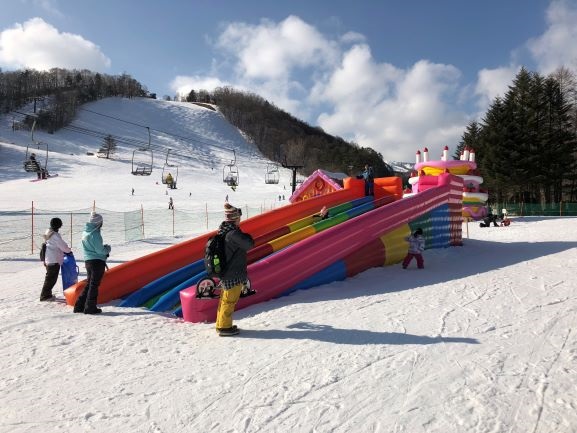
x,y
43,252
215,256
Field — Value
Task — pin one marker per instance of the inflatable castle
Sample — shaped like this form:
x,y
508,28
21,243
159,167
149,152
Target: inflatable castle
x,y
474,198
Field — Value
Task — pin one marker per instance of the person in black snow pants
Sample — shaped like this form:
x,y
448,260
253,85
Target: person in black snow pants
x,y
95,255
237,243
55,250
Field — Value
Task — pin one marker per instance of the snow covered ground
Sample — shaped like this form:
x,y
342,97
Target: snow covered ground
x,y
482,340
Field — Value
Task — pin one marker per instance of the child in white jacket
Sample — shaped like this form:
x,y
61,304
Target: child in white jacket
x,y
416,247
55,250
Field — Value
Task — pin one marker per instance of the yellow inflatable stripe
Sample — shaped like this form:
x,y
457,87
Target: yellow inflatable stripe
x,y
291,238
396,246
435,171
299,224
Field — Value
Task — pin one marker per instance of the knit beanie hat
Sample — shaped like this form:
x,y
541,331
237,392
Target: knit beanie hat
x,y
95,218
231,213
55,224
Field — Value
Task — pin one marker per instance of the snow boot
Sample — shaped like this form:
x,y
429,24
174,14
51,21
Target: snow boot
x,y
227,332
91,308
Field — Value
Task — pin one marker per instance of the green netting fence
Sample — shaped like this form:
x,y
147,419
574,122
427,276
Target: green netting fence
x,y
21,231
536,209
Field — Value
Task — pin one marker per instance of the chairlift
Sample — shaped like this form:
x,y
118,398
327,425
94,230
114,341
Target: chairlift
x,y
230,173
272,174
169,173
143,159
34,163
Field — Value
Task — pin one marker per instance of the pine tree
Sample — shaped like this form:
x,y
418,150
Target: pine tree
x,y
108,147
470,138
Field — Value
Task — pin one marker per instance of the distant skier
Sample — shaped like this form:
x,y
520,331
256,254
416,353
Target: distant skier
x,y
170,203
132,191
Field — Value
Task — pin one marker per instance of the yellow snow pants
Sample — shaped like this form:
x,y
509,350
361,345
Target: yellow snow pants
x,y
226,305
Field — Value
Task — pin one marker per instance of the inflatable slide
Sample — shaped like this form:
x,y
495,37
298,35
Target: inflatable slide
x,y
291,252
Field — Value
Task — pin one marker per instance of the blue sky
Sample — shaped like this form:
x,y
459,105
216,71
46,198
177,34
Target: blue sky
x,y
394,76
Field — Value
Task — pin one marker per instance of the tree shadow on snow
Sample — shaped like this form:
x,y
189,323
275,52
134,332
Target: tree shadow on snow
x,y
311,331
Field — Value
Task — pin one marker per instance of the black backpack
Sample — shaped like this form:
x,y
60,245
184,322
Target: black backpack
x,y
43,252
215,256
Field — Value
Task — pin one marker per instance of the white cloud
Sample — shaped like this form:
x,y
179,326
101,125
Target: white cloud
x,y
273,51
38,45
393,111
50,6
353,38
492,83
558,45
183,84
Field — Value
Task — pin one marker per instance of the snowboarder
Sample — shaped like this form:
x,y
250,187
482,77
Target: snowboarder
x,y
237,243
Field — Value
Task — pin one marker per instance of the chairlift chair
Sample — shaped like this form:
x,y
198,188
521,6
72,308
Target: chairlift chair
x,y
230,173
32,163
143,159
272,174
171,169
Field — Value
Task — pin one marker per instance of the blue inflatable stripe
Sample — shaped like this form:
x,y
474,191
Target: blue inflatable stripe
x,y
335,272
172,297
162,284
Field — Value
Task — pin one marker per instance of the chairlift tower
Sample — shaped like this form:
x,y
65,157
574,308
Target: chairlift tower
x,y
294,169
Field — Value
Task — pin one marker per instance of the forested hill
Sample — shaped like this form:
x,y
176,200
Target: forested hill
x,y
279,136
283,138
59,92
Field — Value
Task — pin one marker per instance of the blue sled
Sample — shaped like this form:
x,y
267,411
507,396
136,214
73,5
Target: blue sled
x,y
69,271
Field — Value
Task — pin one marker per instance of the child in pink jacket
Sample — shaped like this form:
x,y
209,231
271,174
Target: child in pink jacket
x,y
416,247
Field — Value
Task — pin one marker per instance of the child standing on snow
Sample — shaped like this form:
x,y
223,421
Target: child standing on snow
x,y
416,247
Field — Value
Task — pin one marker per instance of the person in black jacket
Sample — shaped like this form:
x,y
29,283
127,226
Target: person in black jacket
x,y
369,178
237,243
490,219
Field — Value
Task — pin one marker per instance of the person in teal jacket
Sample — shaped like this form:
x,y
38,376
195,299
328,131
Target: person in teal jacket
x,y
95,255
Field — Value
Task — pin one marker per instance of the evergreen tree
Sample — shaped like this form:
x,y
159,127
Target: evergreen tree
x,y
108,147
470,138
